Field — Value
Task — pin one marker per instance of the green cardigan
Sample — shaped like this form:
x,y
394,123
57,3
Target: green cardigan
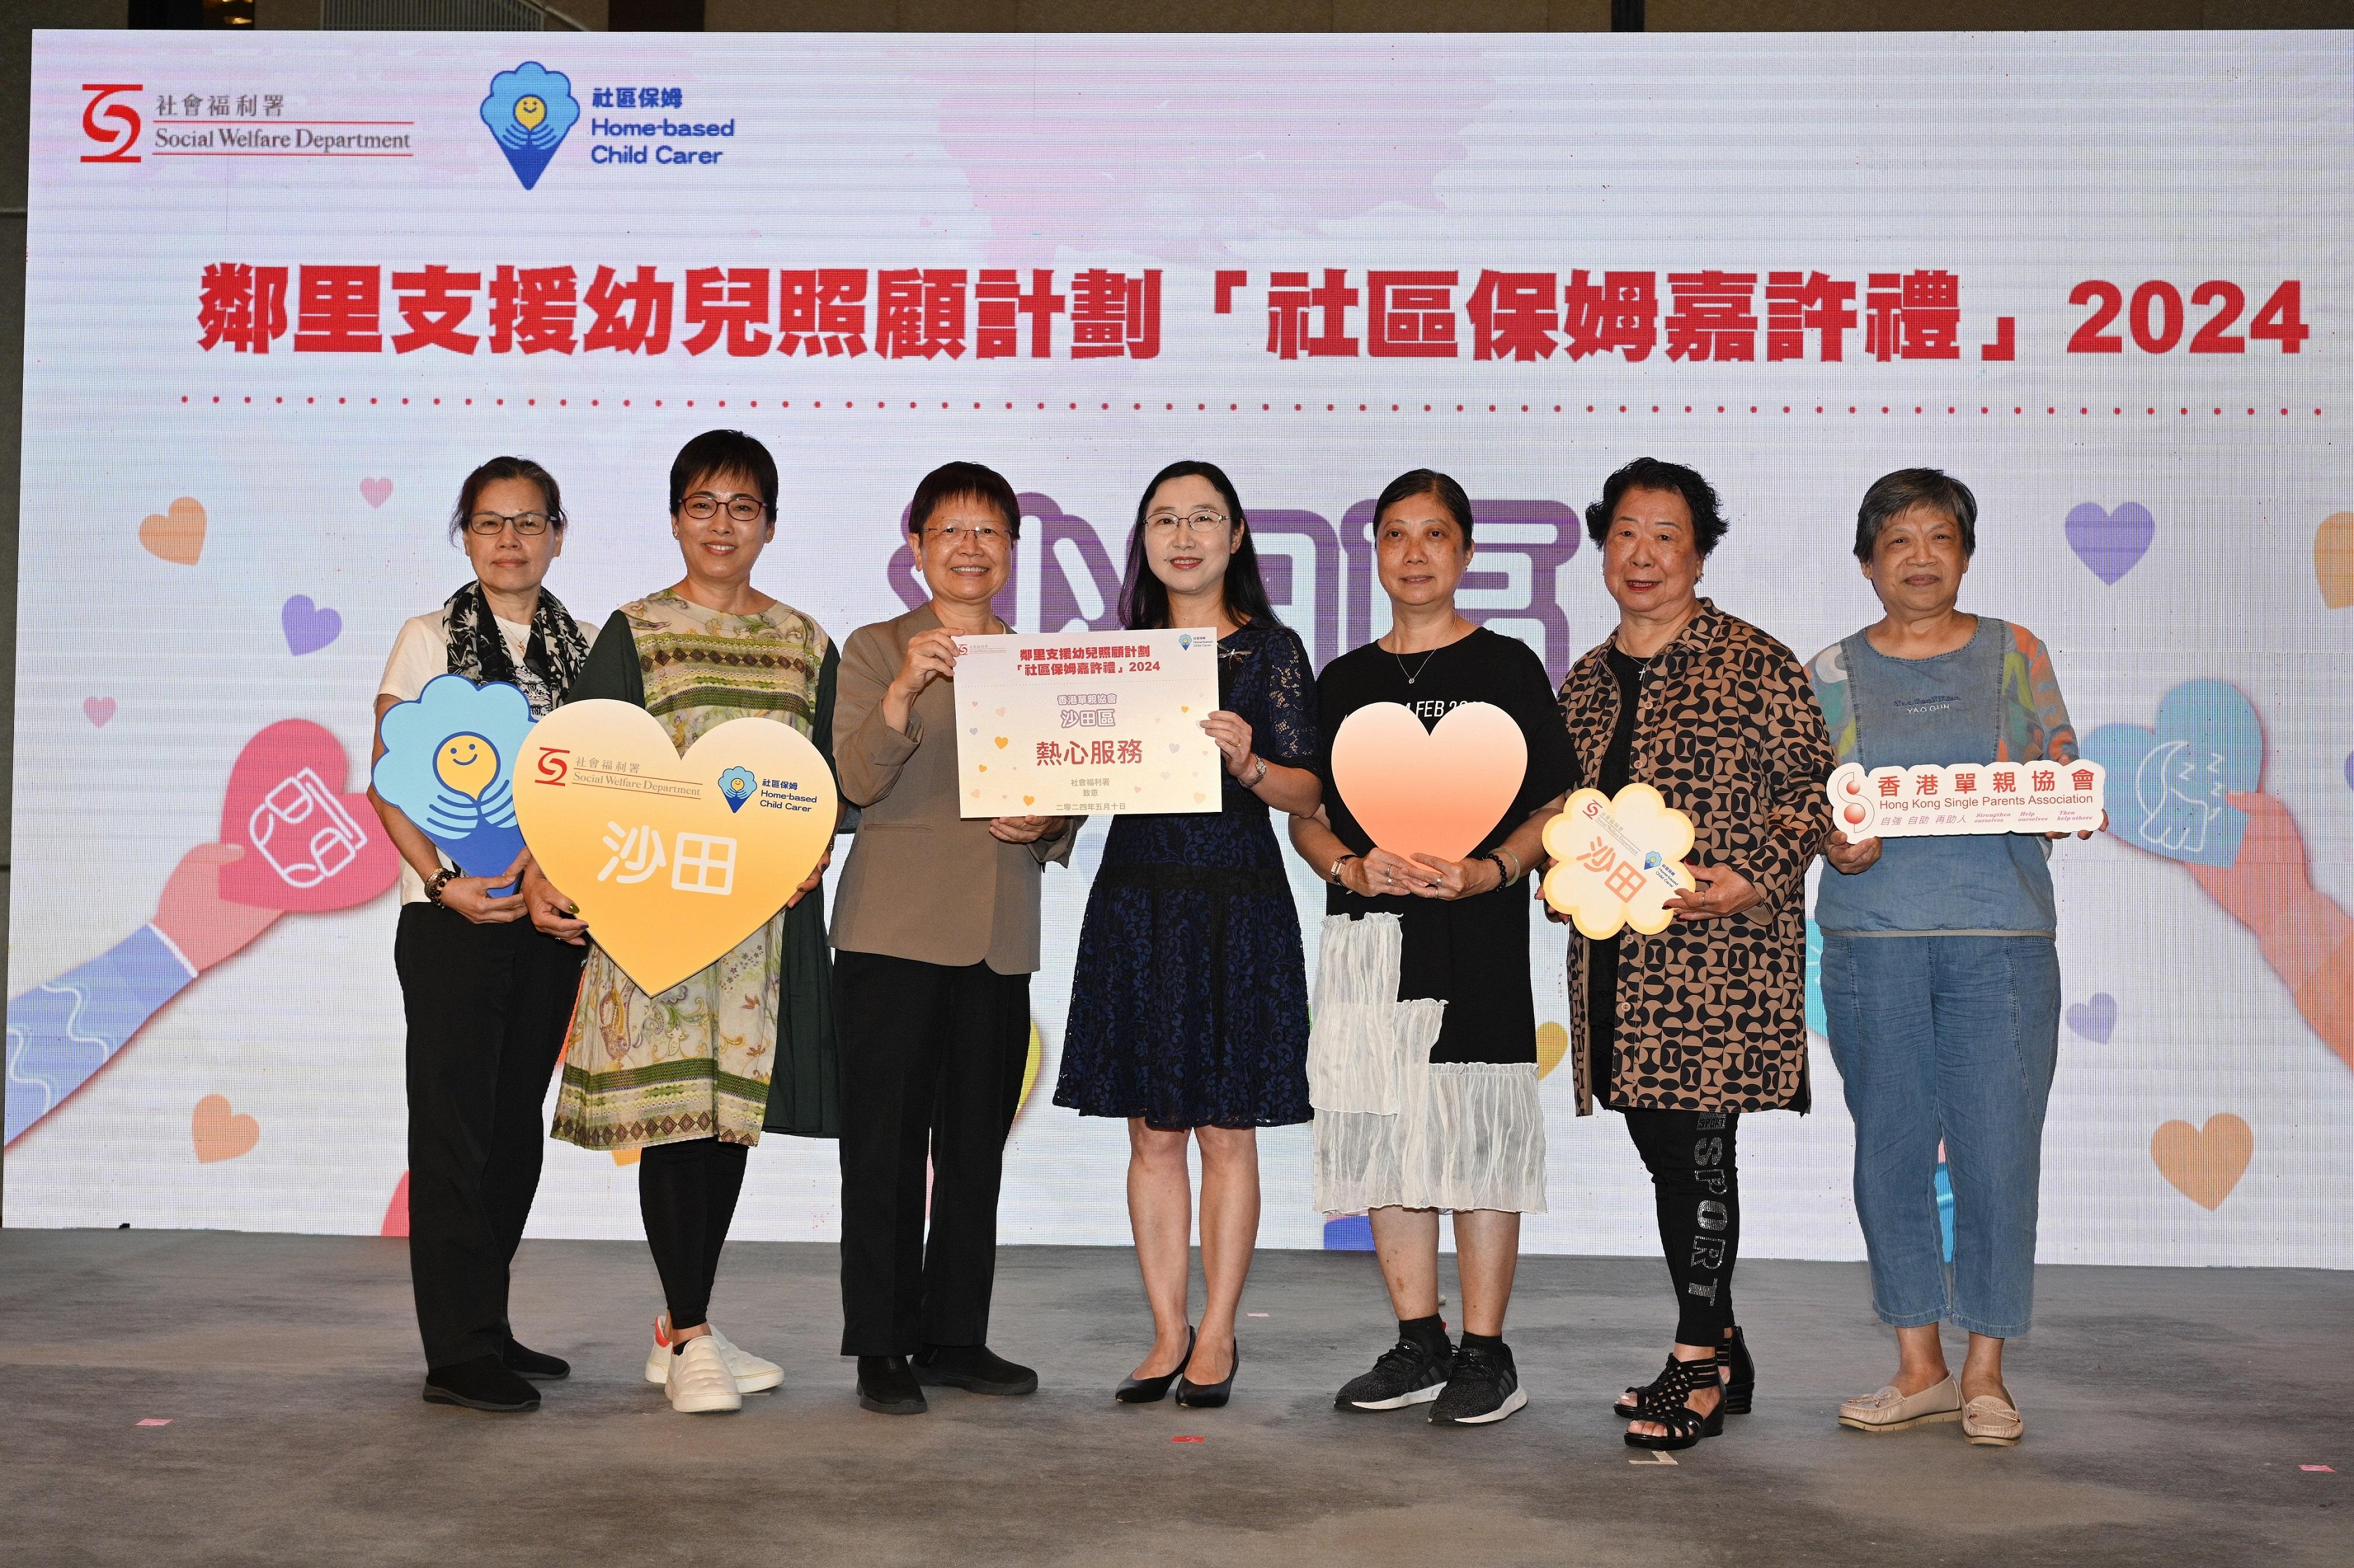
x,y
805,1084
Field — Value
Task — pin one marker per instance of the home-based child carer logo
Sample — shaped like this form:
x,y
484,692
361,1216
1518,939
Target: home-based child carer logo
x,y
529,110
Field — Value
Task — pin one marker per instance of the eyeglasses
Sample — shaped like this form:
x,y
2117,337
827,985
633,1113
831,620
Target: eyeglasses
x,y
530,525
1202,524
956,533
702,508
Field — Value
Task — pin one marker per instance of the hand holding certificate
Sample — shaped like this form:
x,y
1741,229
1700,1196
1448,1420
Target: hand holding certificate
x,y
1086,722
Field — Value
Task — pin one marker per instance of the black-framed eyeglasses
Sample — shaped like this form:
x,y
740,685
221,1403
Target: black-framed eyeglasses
x,y
530,525
703,507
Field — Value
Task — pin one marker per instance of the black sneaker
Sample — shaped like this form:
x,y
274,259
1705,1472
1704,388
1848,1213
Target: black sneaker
x,y
886,1387
976,1369
1407,1373
1486,1387
537,1365
483,1384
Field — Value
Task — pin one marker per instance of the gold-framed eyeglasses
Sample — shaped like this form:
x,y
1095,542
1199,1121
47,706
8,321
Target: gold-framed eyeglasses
x,y
530,525
986,535
1202,524
703,507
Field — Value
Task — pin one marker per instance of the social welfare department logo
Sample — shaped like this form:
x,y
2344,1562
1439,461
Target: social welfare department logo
x,y
529,110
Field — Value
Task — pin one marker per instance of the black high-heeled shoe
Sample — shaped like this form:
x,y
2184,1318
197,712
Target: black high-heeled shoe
x,y
1741,1374
1153,1390
1208,1395
1683,1425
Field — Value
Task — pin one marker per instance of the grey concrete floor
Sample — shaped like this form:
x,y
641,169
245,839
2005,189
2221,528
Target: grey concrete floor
x,y
2170,1413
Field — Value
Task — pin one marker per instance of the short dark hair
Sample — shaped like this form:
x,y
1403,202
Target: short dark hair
x,y
1144,597
1894,494
500,468
716,452
1652,473
963,482
1427,482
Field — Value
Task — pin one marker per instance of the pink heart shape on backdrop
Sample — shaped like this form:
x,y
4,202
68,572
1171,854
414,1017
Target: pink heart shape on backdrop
x,y
98,710
309,846
375,492
1430,792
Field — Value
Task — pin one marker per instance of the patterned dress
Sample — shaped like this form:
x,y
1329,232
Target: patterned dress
x,y
1188,1002
697,1060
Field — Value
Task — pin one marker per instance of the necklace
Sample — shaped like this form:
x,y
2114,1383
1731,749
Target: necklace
x,y
1416,674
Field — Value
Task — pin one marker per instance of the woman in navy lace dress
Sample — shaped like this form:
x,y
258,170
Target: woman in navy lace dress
x,y
1189,1008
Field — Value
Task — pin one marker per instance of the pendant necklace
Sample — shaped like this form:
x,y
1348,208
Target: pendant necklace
x,y
1416,675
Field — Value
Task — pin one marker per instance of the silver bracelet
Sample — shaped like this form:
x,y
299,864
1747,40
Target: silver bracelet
x,y
1258,778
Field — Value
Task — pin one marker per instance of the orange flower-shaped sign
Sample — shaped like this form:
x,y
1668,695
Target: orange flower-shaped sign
x,y
1619,860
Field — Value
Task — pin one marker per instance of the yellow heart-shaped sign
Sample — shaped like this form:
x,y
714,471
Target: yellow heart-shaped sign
x,y
672,859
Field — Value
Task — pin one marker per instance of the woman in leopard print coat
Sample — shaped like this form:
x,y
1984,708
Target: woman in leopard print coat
x,y
1685,1031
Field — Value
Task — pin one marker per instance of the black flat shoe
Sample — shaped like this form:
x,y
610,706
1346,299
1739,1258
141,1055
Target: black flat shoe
x,y
976,1369
1209,1395
887,1387
1153,1389
483,1384
524,1361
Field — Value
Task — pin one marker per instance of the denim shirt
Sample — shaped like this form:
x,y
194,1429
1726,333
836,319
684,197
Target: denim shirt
x,y
1945,710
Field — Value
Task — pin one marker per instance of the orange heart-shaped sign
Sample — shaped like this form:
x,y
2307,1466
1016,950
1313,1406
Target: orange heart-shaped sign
x,y
1430,792
672,859
2204,1163
176,534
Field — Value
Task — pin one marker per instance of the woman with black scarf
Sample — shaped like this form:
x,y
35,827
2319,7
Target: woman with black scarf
x,y
487,996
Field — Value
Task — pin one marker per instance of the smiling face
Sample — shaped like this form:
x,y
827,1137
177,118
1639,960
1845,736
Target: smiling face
x,y
965,550
466,764
506,560
529,110
1189,536
719,550
1917,562
1421,551
1650,562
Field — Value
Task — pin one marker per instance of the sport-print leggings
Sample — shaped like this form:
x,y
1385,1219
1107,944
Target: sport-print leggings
x,y
1697,1189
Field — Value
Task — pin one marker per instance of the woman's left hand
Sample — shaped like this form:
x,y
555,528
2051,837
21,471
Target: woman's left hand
x,y
813,880
1723,891
1025,829
1455,878
1233,734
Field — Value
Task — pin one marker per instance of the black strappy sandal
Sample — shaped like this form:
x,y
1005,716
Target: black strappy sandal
x,y
1685,1426
1630,1405
1741,1376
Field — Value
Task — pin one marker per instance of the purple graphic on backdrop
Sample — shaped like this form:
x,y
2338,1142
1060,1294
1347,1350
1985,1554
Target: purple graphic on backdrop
x,y
2170,785
2110,542
2094,1018
309,627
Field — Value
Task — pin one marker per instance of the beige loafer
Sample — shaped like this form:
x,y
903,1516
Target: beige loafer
x,y
1890,1411
1989,1421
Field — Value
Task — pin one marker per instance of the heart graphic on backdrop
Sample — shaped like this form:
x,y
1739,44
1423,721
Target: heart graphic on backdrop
x,y
220,1133
311,848
2111,542
98,710
1552,1044
375,492
2333,559
176,534
308,627
2167,784
2094,1018
668,873
2205,1162
1428,791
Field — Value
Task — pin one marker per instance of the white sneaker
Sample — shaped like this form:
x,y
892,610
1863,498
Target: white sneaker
x,y
752,1374
699,1381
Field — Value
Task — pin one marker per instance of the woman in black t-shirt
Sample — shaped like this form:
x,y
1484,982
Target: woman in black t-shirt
x,y
1422,1061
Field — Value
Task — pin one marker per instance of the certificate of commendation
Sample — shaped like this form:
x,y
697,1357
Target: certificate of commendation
x,y
1086,722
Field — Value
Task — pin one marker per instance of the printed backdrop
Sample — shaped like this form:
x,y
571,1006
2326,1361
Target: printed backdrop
x,y
286,289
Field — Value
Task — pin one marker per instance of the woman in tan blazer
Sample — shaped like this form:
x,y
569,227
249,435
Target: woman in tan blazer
x,y
935,932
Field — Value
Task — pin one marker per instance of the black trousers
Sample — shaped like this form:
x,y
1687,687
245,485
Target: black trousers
x,y
1697,1189
487,1008
686,1195
931,1069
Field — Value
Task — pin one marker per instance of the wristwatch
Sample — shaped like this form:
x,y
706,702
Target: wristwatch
x,y
1259,776
436,882
1333,875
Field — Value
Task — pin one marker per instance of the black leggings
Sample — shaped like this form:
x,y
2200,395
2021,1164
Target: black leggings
x,y
1697,1189
687,1194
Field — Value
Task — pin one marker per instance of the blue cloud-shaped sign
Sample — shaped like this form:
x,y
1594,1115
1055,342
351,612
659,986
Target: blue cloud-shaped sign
x,y
529,111
448,766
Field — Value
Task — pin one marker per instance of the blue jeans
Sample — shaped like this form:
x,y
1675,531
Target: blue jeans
x,y
1952,1038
